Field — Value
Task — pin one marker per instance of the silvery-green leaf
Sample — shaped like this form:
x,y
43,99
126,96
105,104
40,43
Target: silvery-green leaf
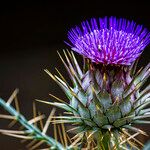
x,y
113,114
104,99
100,119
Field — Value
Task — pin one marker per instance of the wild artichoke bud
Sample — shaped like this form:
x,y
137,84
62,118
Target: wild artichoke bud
x,y
106,97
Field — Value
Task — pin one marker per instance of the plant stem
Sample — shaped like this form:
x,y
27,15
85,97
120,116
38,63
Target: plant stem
x,y
30,127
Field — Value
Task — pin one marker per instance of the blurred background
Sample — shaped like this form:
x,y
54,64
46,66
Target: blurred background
x,y
31,33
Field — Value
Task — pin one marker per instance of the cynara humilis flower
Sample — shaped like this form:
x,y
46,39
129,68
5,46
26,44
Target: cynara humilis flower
x,y
109,40
106,98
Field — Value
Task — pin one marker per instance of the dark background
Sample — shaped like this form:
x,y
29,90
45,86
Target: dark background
x,y
30,35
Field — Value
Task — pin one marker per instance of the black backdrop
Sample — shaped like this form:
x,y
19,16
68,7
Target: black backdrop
x,y
30,35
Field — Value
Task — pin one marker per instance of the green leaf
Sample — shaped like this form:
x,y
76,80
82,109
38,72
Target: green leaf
x,y
117,89
100,119
82,97
84,112
123,121
74,103
125,107
92,108
113,113
141,122
104,99
108,127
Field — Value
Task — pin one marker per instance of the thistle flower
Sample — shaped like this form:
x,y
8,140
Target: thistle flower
x,y
105,101
106,98
109,40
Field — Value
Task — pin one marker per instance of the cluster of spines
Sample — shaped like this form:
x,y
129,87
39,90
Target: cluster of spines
x,y
79,116
76,74
33,130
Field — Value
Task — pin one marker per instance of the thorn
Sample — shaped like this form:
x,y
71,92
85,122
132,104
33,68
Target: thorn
x,y
116,101
61,75
64,117
11,98
69,138
38,118
76,141
12,123
105,77
64,83
50,74
34,112
131,137
31,143
36,145
60,135
7,117
76,136
92,133
64,134
41,122
77,65
48,121
72,129
17,104
55,131
68,113
60,100
19,136
23,141
12,131
42,101
21,127
45,149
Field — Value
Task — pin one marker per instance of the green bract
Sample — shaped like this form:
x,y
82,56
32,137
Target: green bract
x,y
104,101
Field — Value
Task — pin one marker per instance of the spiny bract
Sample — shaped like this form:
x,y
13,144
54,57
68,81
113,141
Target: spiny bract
x,y
104,99
107,96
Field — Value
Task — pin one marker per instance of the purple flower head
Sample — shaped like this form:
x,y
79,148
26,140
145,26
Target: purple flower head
x,y
109,40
